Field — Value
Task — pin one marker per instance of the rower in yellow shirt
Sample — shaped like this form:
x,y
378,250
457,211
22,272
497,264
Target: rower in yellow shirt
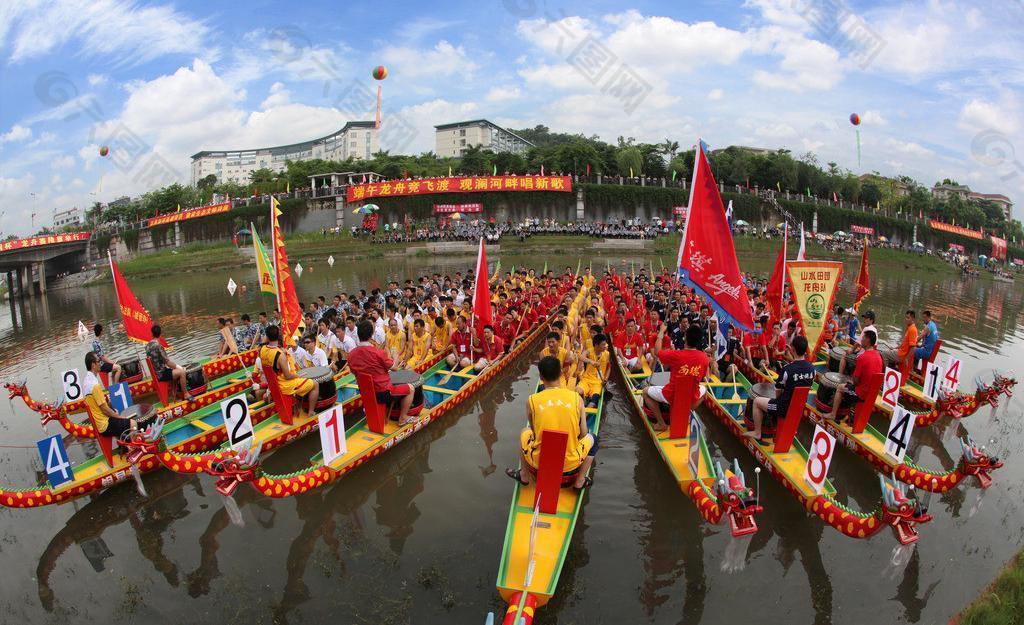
x,y
595,370
441,337
418,345
553,347
394,340
105,419
556,409
283,364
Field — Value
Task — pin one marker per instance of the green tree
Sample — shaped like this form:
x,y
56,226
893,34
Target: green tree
x,y
262,175
630,160
870,194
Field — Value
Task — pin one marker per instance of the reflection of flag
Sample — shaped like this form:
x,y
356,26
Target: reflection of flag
x,y
287,300
707,256
137,323
481,293
863,279
264,268
776,284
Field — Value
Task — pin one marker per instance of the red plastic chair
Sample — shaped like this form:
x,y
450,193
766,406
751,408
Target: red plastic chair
x,y
285,403
376,415
162,388
549,473
864,409
785,431
106,443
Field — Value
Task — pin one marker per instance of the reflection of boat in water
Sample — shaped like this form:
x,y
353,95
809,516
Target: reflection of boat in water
x,y
1002,276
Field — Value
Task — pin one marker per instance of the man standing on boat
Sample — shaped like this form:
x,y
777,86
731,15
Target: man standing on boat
x,y
799,372
869,364
928,338
681,363
559,409
368,359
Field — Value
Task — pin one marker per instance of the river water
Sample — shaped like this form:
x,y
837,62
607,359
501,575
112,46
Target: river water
x,y
415,536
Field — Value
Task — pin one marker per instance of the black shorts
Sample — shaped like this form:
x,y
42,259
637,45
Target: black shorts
x,y
723,368
850,398
106,367
165,374
116,427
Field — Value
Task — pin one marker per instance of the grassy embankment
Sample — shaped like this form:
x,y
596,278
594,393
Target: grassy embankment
x,y
207,256
1002,603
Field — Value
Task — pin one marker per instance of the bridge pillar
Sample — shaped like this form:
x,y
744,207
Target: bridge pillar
x,y
25,280
10,286
42,276
177,234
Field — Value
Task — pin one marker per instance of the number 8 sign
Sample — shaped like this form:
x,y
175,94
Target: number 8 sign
x,y
819,457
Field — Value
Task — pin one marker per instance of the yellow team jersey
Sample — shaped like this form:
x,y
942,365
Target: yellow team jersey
x,y
560,353
440,338
269,356
94,400
394,340
419,347
556,409
591,372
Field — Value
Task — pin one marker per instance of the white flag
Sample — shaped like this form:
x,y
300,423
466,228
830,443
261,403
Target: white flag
x,y
83,332
232,286
801,255
330,261
298,270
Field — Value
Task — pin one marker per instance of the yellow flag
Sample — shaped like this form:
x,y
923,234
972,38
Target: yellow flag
x,y
287,186
814,285
263,266
274,205
179,208
779,186
449,171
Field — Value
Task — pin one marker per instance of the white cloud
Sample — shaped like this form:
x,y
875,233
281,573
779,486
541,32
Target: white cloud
x,y
424,116
279,96
775,131
97,80
119,30
910,148
503,94
978,114
16,133
64,161
715,95
806,65
873,118
419,64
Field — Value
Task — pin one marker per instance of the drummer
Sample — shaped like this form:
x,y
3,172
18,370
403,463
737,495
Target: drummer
x,y
284,366
106,365
799,372
108,422
368,359
682,363
556,409
166,369
869,364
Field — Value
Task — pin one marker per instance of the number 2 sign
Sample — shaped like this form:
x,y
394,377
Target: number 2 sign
x,y
332,434
237,422
891,388
819,457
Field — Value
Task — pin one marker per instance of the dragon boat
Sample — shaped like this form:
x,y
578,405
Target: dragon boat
x,y
224,380
787,460
365,438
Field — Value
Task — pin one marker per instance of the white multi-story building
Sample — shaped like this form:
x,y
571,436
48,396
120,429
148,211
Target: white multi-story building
x,y
452,140
359,140
71,216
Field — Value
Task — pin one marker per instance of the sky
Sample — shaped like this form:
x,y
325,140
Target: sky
x,y
937,84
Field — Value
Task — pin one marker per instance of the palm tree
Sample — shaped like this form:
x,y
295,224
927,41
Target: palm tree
x,y
670,147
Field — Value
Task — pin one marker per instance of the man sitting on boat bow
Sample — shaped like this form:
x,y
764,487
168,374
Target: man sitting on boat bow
x,y
560,409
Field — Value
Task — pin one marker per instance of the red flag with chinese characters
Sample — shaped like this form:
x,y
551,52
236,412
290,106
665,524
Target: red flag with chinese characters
x,y
287,300
481,293
998,248
137,323
776,285
707,256
863,278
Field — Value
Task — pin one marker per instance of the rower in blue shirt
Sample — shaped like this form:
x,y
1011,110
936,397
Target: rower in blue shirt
x,y
929,336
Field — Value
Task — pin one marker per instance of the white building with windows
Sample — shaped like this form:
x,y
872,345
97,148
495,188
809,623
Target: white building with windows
x,y
358,140
70,217
452,140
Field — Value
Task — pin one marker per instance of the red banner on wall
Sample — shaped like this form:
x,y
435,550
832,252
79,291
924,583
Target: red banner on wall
x,y
965,232
457,184
957,247
998,248
862,230
679,210
191,213
441,209
44,239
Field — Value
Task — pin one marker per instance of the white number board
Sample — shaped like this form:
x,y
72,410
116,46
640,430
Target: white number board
x,y
951,381
72,385
819,457
891,380
237,422
332,434
897,439
933,378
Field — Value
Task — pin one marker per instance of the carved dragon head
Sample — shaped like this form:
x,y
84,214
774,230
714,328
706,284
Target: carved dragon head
x,y
16,389
976,462
737,499
902,512
236,469
51,412
144,443
955,404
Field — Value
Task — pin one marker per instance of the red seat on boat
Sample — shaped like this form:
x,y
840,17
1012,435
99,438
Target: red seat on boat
x,y
285,403
549,474
162,388
106,443
374,411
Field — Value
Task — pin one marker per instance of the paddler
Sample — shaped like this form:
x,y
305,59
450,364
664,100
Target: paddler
x,y
108,422
681,363
418,344
368,359
629,343
166,369
107,365
284,366
493,349
556,409
799,372
928,338
905,353
869,364
595,369
462,344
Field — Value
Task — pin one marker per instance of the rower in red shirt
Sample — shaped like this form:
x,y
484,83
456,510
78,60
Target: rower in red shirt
x,y
462,343
753,343
869,364
681,363
630,345
368,359
491,350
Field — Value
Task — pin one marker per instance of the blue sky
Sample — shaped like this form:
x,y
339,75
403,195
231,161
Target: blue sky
x,y
938,84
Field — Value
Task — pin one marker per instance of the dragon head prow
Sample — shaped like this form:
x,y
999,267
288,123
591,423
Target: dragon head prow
x,y
976,462
738,500
902,511
16,389
233,470
144,443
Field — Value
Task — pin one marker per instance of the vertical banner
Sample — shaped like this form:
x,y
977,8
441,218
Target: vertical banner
x,y
998,248
814,284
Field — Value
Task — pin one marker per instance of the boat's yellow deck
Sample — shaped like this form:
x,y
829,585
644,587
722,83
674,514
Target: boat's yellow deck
x,y
552,535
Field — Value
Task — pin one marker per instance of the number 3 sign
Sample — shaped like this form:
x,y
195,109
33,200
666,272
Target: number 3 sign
x,y
819,457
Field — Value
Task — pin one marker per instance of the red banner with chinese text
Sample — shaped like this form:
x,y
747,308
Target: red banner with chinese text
x,y
457,184
137,323
957,247
938,225
192,213
998,248
862,230
44,239
441,209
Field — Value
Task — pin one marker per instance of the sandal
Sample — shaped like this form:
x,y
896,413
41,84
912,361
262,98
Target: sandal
x,y
516,474
587,483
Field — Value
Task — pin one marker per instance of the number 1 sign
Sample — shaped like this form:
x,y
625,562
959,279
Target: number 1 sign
x,y
332,434
933,380
819,457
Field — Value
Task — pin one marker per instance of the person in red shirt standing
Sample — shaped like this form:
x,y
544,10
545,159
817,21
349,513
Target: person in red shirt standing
x,y
681,363
491,350
630,345
462,343
869,364
368,359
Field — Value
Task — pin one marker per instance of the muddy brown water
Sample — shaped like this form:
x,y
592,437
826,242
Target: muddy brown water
x,y
415,536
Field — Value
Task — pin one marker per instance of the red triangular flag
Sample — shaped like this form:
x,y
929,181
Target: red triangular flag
x,y
137,323
776,290
481,293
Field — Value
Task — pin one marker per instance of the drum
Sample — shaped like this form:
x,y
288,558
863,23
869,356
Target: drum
x,y
324,378
195,379
889,357
761,389
837,357
131,370
142,413
414,380
828,384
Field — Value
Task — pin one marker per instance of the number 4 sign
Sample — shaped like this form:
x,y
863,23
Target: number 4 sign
x,y
332,434
951,381
898,436
819,457
933,380
891,388
56,460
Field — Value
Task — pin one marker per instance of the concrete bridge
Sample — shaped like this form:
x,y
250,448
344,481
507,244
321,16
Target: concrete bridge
x,y
28,261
